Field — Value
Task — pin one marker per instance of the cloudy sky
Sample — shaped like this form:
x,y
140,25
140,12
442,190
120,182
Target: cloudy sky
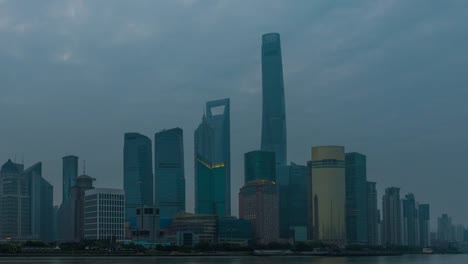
x,y
385,78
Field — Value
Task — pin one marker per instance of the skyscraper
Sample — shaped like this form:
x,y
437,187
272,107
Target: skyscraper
x,y
356,198
410,223
213,160
138,173
373,214
273,105
445,229
391,222
259,165
424,218
69,174
258,203
328,194
169,171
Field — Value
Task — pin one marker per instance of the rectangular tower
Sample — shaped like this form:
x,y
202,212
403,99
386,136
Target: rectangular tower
x,y
69,174
273,102
372,214
391,222
169,172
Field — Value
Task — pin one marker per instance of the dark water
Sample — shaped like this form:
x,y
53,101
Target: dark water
x,y
410,259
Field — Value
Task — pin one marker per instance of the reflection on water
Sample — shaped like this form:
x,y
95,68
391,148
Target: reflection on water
x,y
408,259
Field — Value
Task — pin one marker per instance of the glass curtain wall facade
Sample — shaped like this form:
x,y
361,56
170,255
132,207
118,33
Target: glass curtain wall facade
x,y
169,172
356,198
372,214
273,102
212,160
424,225
259,165
69,174
138,173
391,221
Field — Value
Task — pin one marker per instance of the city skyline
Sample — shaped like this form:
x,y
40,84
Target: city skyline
x,y
390,137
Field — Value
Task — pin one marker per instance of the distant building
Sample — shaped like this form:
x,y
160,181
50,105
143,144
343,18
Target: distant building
x,y
26,203
104,214
259,165
445,229
391,223
233,230
410,225
258,203
169,171
70,216
147,224
213,160
372,214
69,175
356,198
138,173
424,225
191,229
459,233
328,194
273,102
293,188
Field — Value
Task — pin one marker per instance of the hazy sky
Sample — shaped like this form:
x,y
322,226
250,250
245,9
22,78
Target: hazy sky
x,y
385,78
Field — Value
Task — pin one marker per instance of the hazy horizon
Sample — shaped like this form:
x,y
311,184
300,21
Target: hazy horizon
x,y
383,78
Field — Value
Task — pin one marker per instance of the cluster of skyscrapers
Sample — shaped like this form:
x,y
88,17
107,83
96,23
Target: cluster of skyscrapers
x,y
329,199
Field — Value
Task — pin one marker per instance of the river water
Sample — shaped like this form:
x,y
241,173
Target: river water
x,y
407,259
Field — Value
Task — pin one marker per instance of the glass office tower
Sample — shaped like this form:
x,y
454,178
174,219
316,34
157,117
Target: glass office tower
x,y
212,160
259,165
169,172
69,174
273,102
138,173
356,198
391,222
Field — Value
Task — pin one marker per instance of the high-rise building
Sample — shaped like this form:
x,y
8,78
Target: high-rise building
x,y
69,174
328,194
258,203
410,224
25,203
424,225
104,214
259,165
273,102
391,223
212,160
70,216
372,214
356,198
41,193
138,173
445,229
169,172
292,184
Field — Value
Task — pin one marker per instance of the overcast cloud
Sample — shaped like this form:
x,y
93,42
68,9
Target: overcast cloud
x,y
385,78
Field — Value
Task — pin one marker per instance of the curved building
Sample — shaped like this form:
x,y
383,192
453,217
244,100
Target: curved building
x,y
273,105
328,194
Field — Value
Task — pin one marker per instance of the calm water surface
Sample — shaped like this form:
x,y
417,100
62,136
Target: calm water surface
x,y
410,259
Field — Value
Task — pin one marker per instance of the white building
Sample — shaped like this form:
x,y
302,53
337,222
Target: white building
x,y
104,213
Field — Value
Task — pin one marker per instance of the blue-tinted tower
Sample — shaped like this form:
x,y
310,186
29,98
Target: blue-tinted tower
x,y
213,160
69,174
169,172
273,106
138,173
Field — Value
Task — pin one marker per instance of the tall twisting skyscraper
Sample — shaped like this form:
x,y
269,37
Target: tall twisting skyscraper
x,y
213,160
273,106
138,173
169,172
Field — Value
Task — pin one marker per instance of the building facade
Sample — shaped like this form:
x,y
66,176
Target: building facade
x,y
258,203
259,165
373,214
328,207
410,224
356,198
169,172
191,229
212,160
273,102
138,173
391,221
424,225
233,230
104,214
148,225
69,175
445,229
